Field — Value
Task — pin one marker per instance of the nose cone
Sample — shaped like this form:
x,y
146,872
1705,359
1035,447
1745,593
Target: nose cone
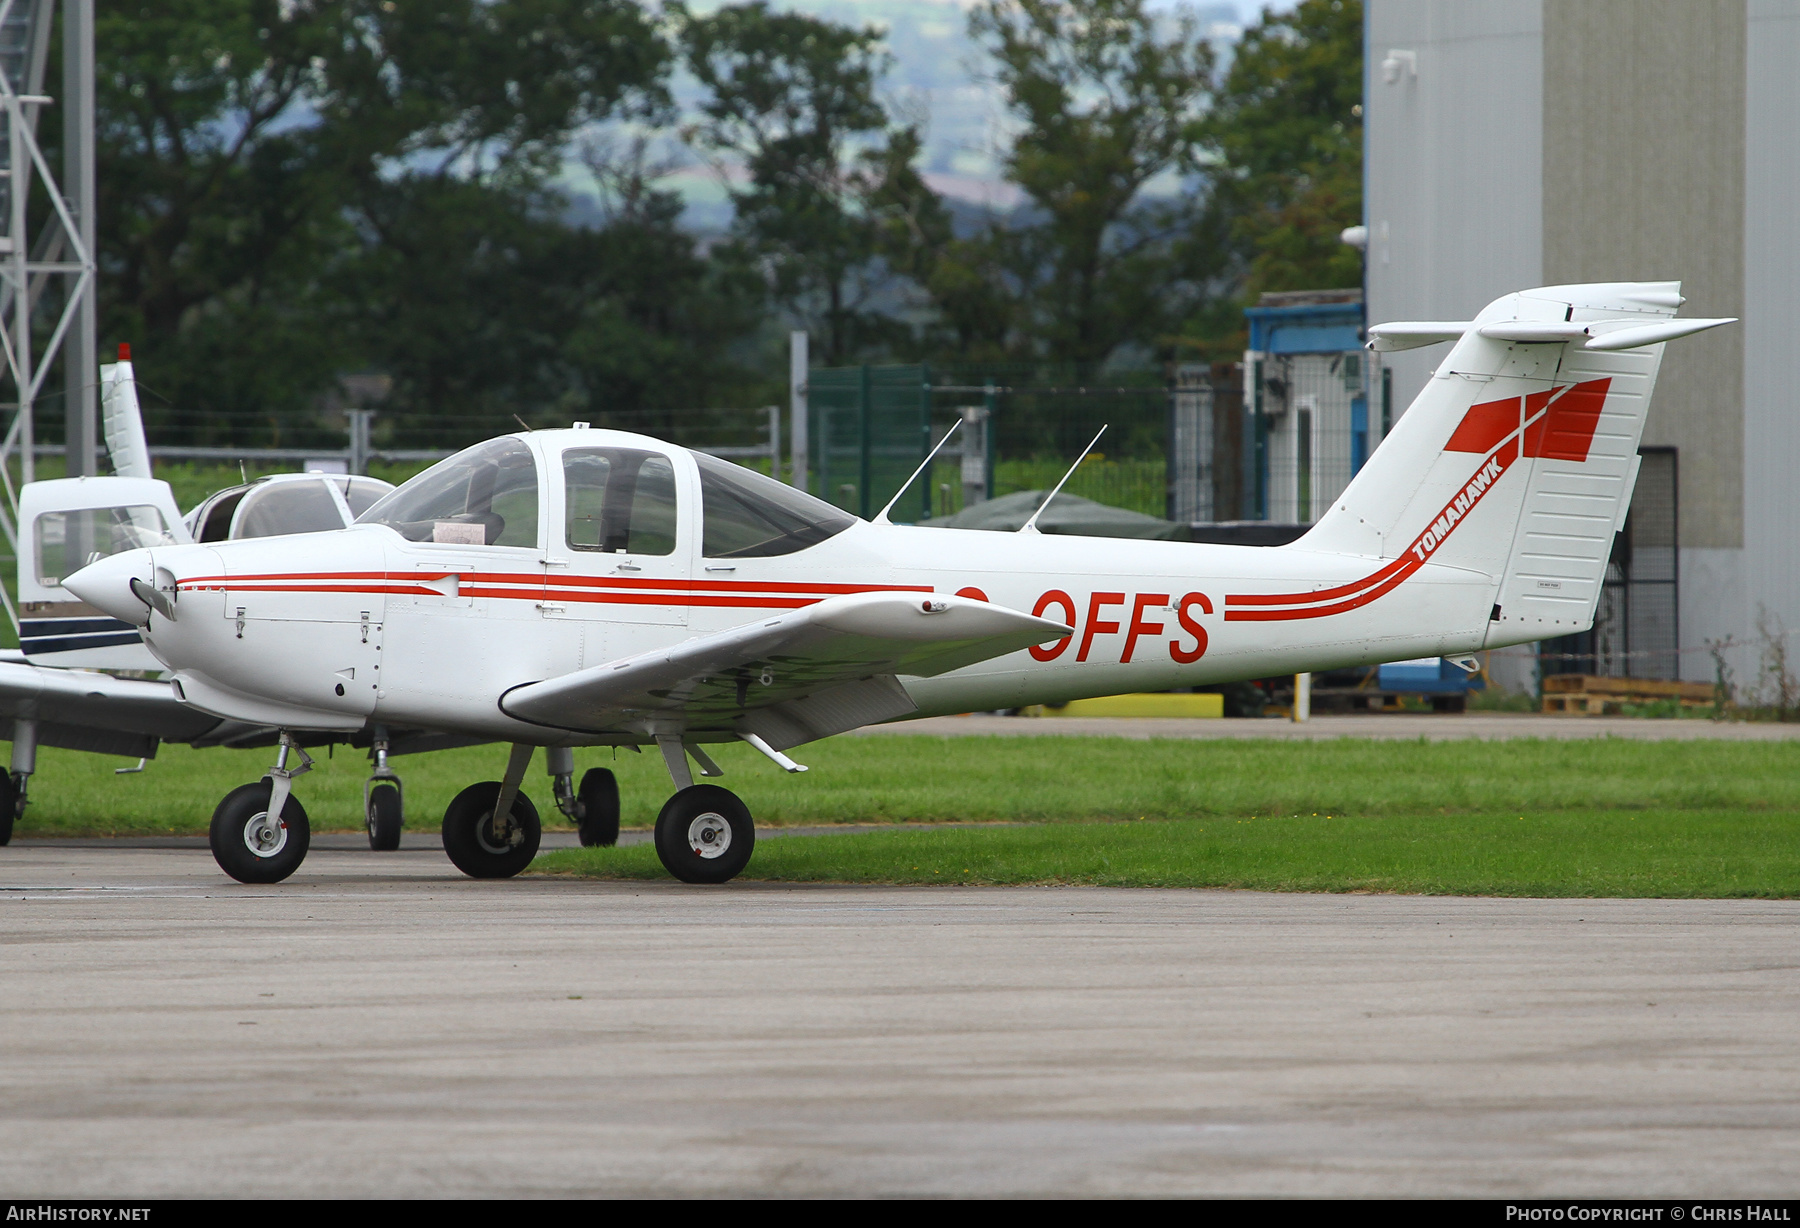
x,y
105,584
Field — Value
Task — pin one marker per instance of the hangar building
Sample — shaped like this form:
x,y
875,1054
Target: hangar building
x,y
1517,143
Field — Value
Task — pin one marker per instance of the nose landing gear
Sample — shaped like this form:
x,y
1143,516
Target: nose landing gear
x,y
259,832
383,799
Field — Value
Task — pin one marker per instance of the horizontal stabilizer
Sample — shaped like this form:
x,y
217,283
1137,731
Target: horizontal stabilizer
x,y
1625,334
1411,334
1630,338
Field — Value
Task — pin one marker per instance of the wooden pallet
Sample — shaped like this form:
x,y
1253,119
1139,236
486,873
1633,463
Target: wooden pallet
x,y
1589,695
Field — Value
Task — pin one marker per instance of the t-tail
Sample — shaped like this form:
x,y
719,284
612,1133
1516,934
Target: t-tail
x,y
1518,458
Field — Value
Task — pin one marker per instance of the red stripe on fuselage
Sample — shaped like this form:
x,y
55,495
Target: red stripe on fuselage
x,y
536,586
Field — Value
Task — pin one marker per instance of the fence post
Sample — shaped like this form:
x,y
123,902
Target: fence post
x,y
359,420
775,442
797,410
925,440
1190,445
990,402
974,455
866,410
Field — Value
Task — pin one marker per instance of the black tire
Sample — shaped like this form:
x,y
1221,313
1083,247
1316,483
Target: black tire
x,y
9,806
244,853
598,798
469,828
384,817
705,815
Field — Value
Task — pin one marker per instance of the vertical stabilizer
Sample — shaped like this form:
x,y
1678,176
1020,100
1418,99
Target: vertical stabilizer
x,y
1517,460
123,422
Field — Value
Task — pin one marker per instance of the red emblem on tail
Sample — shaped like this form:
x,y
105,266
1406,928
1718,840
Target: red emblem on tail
x,y
1557,425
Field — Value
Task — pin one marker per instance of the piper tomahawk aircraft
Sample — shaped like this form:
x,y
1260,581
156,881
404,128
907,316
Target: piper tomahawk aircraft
x,y
583,587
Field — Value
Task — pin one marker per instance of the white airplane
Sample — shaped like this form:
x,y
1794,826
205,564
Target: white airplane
x,y
581,587
52,692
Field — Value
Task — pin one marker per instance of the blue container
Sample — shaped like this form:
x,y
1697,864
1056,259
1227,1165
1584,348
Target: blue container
x,y
1427,676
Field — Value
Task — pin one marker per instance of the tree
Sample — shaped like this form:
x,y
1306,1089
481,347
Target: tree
x,y
1286,126
280,180
793,100
1109,96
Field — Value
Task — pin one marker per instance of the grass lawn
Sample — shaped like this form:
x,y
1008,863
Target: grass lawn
x,y
1702,853
990,779
1608,817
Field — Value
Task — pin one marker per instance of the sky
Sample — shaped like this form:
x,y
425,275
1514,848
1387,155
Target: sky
x,y
936,83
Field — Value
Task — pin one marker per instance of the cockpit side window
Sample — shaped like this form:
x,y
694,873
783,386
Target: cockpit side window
x,y
749,516
486,495
619,500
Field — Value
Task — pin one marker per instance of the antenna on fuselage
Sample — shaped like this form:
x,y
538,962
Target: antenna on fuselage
x,y
1030,526
881,517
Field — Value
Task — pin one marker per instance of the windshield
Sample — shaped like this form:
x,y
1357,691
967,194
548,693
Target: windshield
x,y
749,516
486,495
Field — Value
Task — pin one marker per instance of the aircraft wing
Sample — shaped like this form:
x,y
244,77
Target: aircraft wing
x,y
805,674
78,710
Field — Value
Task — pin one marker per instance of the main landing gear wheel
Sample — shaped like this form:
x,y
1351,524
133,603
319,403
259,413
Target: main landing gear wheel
x,y
704,835
481,848
384,817
598,798
252,846
12,801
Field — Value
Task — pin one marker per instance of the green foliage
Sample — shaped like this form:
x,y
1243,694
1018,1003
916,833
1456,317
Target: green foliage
x,y
794,99
290,193
1286,126
1108,97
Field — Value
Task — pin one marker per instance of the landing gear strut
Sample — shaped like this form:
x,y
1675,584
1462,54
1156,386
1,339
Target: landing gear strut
x,y
383,799
259,832
594,808
13,783
704,833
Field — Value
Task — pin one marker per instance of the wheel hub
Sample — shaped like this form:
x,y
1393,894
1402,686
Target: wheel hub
x,y
499,841
709,835
265,836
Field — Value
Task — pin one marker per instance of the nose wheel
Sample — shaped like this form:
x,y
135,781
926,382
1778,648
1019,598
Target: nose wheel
x,y
259,833
705,835
384,815
253,845
384,799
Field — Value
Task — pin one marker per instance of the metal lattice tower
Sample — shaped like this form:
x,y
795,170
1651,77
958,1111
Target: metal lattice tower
x,y
47,268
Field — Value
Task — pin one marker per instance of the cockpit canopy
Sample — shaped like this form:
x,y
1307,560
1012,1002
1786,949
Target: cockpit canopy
x,y
614,498
285,503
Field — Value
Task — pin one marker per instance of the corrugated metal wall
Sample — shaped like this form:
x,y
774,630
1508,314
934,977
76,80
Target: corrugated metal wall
x,y
1770,576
